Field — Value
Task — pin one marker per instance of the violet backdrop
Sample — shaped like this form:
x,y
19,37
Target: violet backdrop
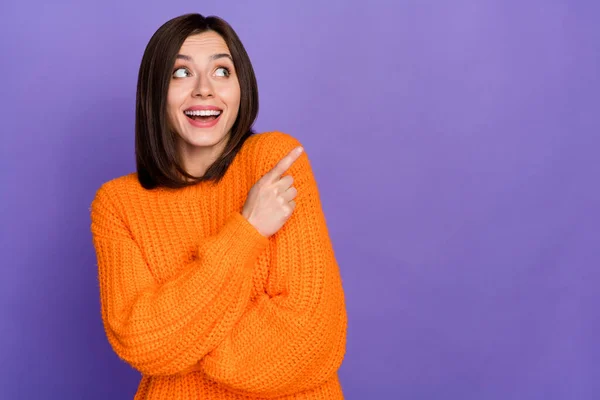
x,y
456,149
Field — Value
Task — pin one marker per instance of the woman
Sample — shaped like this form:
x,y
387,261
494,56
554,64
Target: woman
x,y
217,275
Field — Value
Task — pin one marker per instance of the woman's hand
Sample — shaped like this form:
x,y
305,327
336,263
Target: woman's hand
x,y
270,202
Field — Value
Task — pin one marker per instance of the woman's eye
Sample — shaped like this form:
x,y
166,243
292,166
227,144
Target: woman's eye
x,y
180,73
222,71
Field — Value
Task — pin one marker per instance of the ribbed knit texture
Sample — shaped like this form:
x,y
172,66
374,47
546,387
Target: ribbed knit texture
x,y
202,304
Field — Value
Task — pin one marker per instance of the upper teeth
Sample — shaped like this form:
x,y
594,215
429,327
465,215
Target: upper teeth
x,y
202,113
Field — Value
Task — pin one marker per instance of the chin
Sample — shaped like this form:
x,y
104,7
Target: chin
x,y
203,139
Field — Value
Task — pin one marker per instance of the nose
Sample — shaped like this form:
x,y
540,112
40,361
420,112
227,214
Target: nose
x,y
203,88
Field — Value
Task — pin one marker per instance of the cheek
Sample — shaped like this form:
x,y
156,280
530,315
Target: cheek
x,y
174,102
232,97
230,93
176,95
172,112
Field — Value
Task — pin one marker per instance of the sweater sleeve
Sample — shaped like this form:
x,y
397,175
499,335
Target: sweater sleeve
x,y
293,337
165,328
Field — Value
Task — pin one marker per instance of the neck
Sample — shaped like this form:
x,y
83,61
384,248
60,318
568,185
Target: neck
x,y
197,159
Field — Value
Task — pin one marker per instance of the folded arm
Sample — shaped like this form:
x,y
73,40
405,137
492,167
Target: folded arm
x,y
163,329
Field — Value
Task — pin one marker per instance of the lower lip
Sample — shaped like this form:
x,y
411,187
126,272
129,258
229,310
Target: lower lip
x,y
203,124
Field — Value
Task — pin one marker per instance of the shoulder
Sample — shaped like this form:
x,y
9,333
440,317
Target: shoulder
x,y
273,141
112,192
266,149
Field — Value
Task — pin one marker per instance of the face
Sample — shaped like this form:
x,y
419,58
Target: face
x,y
204,96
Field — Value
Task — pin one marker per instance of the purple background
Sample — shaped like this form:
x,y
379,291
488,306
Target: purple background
x,y
456,147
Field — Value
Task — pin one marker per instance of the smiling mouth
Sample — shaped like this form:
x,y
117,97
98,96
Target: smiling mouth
x,y
203,115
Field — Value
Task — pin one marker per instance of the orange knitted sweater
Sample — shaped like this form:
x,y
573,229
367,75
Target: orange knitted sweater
x,y
202,304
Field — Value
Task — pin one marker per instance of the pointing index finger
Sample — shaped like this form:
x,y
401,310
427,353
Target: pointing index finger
x,y
285,163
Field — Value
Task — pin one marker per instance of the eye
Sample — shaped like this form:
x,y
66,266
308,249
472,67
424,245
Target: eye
x,y
181,73
222,71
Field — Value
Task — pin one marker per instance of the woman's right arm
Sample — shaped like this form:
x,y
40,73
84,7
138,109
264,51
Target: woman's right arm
x,y
164,329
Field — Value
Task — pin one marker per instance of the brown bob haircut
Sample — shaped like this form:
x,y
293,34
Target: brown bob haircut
x,y
157,157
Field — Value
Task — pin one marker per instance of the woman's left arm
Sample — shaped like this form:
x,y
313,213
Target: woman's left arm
x,y
293,338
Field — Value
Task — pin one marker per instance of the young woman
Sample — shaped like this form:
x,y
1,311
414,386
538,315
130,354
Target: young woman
x,y
217,276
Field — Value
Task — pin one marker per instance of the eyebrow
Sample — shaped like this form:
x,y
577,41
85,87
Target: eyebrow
x,y
213,57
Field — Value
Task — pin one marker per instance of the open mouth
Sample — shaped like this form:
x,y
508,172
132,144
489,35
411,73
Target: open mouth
x,y
203,115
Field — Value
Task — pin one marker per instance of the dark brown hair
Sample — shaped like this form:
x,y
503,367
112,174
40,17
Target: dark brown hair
x,y
157,157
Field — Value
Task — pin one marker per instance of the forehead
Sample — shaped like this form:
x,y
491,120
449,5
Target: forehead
x,y
206,43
